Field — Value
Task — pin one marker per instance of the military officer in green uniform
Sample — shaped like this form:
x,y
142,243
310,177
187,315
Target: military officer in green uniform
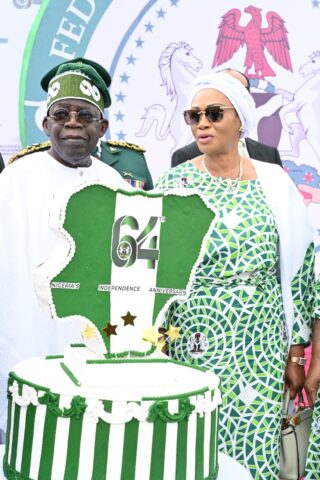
x,y
127,158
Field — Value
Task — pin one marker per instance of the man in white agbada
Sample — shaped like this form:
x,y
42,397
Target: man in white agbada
x,y
77,96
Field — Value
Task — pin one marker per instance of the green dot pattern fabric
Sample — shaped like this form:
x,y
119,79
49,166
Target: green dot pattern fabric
x,y
233,321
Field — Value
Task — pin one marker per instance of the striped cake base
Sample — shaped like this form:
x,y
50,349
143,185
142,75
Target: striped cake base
x,y
151,419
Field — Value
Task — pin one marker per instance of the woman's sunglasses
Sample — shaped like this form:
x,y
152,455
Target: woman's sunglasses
x,y
213,114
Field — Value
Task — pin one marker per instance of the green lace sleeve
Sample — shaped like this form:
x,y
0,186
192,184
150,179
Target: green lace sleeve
x,y
316,299
303,292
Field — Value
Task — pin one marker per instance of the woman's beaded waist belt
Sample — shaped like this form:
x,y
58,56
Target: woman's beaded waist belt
x,y
256,278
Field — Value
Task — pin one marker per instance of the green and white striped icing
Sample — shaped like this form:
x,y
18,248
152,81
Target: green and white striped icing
x,y
156,427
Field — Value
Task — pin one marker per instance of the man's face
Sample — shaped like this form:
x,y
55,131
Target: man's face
x,y
74,136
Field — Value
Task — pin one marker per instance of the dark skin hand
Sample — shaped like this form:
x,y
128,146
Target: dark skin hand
x,y
294,373
312,382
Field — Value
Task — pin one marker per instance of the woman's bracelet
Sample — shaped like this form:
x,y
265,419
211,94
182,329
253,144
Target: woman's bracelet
x,y
299,360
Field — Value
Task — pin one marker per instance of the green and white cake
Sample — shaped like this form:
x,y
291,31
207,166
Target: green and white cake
x,y
115,407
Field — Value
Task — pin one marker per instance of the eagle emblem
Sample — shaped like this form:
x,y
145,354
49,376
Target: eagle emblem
x,y
274,38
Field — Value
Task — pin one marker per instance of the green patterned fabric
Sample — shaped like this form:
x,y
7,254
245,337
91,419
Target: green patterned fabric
x,y
236,325
313,456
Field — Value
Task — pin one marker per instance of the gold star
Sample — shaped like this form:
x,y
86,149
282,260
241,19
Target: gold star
x,y
161,344
89,332
173,333
151,335
110,329
128,319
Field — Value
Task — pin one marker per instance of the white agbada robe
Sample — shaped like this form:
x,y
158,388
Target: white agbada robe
x,y
26,191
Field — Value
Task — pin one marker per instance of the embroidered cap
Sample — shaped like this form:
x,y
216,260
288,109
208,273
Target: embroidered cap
x,y
80,78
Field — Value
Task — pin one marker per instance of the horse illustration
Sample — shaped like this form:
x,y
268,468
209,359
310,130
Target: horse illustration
x,y
178,67
305,105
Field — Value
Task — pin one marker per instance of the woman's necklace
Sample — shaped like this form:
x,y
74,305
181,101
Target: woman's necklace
x,y
230,184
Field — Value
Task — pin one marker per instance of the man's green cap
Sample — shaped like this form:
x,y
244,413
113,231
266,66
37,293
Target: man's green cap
x,y
80,78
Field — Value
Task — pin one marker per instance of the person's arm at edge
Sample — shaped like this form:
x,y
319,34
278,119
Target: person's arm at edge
x,y
312,382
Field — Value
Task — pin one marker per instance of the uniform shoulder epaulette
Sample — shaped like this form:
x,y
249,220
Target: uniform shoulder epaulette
x,y
35,147
119,143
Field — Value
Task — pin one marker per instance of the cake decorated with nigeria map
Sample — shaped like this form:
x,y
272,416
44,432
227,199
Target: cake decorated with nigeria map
x,y
115,407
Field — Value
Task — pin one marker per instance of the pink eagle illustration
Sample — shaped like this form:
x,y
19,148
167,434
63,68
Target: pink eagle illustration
x,y
232,36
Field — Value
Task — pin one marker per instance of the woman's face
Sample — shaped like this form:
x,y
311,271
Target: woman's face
x,y
215,137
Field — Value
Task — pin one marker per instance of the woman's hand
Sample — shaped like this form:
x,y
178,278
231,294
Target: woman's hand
x,y
312,383
294,378
294,374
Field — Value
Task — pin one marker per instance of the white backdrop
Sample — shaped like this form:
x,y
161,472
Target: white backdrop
x,y
153,49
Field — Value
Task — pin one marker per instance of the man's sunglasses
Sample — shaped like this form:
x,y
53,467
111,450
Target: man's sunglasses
x,y
213,114
62,116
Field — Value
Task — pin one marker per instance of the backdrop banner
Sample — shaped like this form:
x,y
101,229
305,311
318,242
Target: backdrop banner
x,y
153,50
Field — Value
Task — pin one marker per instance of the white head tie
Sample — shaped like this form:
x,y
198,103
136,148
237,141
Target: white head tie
x,y
235,91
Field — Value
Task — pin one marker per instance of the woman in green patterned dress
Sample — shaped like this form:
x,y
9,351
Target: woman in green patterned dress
x,y
312,387
241,318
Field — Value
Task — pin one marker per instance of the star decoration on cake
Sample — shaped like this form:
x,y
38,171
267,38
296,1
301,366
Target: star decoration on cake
x,y
110,329
128,319
151,335
89,332
161,344
173,333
